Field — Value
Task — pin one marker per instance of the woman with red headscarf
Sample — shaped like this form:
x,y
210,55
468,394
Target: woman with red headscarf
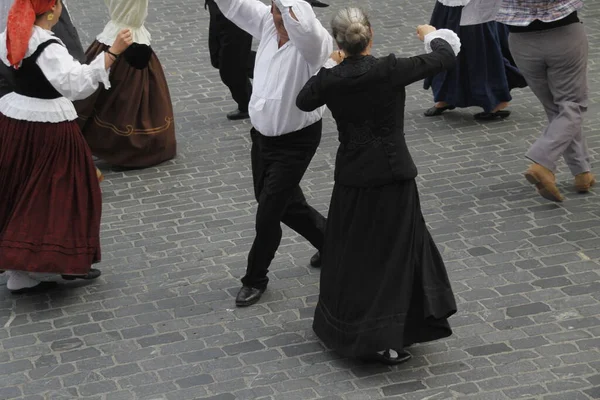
x,y
50,200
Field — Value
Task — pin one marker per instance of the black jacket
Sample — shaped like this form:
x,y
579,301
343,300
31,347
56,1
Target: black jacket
x,y
366,96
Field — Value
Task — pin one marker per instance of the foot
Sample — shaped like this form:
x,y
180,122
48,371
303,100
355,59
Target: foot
x,y
248,296
99,175
315,260
544,181
93,274
490,116
584,181
21,282
40,287
237,114
438,109
390,357
501,106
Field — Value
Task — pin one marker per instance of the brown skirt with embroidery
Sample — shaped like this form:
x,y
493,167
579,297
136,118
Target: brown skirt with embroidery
x,y
130,125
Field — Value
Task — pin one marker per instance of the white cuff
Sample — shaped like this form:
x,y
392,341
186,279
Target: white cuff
x,y
445,34
330,63
99,67
454,3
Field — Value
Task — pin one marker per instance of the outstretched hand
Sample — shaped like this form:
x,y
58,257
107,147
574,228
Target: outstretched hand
x,y
424,30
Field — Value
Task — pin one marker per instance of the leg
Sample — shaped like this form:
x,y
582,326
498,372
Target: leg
x,y
304,219
555,70
234,58
531,62
567,76
271,208
213,34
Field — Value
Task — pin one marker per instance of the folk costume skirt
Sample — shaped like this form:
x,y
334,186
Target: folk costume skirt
x,y
383,282
50,201
485,72
130,125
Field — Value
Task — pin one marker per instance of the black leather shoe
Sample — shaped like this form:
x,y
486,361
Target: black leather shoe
x,y
93,274
237,114
248,296
315,260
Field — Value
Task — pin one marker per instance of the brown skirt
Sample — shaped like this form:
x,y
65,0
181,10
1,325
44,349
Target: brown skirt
x,y
50,199
130,125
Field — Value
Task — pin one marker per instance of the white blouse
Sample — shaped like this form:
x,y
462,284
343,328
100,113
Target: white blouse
x,y
70,78
129,14
280,73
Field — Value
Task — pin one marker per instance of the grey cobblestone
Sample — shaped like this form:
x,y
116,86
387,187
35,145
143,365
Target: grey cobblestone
x,y
161,323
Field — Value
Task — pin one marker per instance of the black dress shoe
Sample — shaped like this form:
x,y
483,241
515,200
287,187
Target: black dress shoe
x,y
490,116
248,296
435,111
40,287
237,114
315,260
93,274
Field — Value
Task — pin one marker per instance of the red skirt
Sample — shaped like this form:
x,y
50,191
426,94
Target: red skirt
x,y
50,199
130,125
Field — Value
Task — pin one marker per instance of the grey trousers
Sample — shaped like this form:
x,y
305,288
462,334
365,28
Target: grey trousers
x,y
554,64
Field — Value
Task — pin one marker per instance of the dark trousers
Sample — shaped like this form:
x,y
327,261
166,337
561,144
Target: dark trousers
x,y
278,165
231,53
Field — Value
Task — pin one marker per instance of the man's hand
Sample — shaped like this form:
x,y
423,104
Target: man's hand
x,y
337,56
424,30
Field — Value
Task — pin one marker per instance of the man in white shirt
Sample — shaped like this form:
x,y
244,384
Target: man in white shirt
x,y
293,47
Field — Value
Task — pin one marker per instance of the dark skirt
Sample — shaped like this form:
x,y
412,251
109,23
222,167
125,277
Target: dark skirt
x,y
485,72
50,201
130,125
383,282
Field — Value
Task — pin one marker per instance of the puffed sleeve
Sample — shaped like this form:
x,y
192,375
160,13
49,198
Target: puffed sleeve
x,y
441,57
306,32
73,80
248,15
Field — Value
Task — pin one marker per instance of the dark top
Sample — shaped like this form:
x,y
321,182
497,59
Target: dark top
x,y
65,31
538,25
366,96
30,81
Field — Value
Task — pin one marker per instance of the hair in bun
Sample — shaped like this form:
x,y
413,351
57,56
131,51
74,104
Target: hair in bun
x,y
351,30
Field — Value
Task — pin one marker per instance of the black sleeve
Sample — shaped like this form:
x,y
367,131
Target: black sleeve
x,y
311,96
408,70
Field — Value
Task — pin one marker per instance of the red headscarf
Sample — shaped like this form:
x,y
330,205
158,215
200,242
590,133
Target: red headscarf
x,y
19,26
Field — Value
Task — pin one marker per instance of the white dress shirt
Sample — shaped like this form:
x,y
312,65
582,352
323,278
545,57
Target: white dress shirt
x,y
70,78
126,14
280,73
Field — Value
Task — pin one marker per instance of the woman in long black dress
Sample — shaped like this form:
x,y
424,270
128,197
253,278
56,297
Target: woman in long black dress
x,y
384,285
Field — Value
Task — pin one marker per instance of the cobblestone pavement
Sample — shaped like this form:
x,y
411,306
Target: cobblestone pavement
x,y
161,322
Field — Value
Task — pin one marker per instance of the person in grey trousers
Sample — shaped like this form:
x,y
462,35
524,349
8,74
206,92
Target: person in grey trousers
x,y
550,47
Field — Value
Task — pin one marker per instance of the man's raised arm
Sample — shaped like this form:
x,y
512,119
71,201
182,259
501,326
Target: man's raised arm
x,y
249,15
306,32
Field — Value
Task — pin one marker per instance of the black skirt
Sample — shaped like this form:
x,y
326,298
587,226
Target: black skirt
x,y
383,282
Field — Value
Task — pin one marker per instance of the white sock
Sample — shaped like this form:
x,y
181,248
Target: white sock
x,y
20,280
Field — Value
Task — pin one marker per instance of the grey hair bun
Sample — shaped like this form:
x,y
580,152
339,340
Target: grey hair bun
x,y
352,30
